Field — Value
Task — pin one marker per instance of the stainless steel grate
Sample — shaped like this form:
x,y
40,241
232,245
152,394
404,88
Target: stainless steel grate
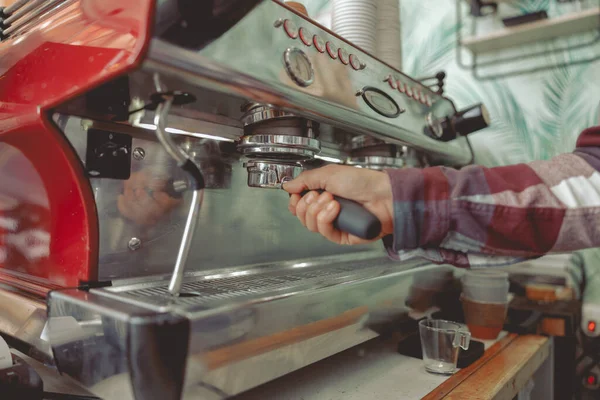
x,y
210,290
24,14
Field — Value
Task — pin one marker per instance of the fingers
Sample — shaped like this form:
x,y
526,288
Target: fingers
x,y
294,200
304,204
313,179
325,220
317,205
317,212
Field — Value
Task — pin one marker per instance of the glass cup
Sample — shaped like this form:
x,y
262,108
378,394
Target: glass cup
x,y
440,342
489,292
484,319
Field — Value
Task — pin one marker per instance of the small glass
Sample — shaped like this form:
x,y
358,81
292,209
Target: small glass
x,y
440,342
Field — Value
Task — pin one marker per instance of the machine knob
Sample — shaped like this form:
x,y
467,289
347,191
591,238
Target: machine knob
x,y
462,123
471,119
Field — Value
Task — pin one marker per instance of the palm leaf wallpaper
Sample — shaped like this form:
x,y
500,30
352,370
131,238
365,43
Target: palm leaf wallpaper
x,y
535,115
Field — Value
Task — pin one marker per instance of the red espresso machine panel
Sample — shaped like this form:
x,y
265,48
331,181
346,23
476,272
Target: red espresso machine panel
x,y
48,220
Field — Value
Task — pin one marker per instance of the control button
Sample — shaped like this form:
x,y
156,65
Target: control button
x,y
428,100
290,28
401,87
298,66
416,94
319,44
305,36
380,102
332,50
356,63
391,81
343,55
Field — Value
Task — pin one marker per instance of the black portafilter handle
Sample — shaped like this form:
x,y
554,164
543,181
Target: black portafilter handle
x,y
355,219
352,218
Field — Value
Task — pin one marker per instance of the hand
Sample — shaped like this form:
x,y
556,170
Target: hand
x,y
144,200
371,189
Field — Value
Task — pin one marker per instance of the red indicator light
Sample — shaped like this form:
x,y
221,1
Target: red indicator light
x,y
591,379
591,326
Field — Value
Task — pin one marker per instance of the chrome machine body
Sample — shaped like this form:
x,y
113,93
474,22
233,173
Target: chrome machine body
x,y
251,103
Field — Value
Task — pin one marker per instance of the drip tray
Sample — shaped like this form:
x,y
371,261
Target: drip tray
x,y
208,291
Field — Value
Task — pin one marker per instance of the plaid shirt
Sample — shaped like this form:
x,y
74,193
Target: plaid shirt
x,y
478,217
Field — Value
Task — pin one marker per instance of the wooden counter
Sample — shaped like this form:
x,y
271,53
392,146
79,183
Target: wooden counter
x,y
503,370
376,371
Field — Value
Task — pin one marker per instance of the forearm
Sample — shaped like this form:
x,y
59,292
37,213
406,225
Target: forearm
x,y
521,211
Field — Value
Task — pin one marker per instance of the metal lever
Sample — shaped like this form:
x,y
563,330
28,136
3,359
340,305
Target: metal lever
x,y
162,112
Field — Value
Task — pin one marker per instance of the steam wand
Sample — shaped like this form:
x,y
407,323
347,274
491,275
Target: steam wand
x,y
183,161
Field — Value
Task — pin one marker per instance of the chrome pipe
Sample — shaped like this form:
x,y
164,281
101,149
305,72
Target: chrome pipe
x,y
186,242
162,112
34,16
15,6
22,11
177,153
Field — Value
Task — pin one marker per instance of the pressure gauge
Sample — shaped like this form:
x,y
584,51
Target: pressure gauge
x,y
298,67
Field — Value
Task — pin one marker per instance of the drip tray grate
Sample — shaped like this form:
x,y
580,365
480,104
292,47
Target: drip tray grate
x,y
210,289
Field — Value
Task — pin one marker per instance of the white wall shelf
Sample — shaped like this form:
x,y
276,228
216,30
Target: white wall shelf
x,y
532,32
504,50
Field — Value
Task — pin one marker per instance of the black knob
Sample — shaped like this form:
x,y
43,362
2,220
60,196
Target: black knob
x,y
463,123
471,119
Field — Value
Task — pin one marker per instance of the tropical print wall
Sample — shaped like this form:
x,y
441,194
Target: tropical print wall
x,y
535,115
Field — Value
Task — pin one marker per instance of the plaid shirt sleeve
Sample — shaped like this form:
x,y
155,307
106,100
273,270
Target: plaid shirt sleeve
x,y
479,217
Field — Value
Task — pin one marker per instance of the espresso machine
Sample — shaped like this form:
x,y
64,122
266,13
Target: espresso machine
x,y
146,248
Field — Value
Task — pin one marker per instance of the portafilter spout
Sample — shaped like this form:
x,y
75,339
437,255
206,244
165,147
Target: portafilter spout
x,y
277,144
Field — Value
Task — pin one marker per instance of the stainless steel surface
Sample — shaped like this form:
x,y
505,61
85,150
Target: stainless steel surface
x,y
255,113
32,14
24,317
288,147
246,325
238,225
22,11
220,287
368,152
376,162
15,6
267,174
246,66
362,141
